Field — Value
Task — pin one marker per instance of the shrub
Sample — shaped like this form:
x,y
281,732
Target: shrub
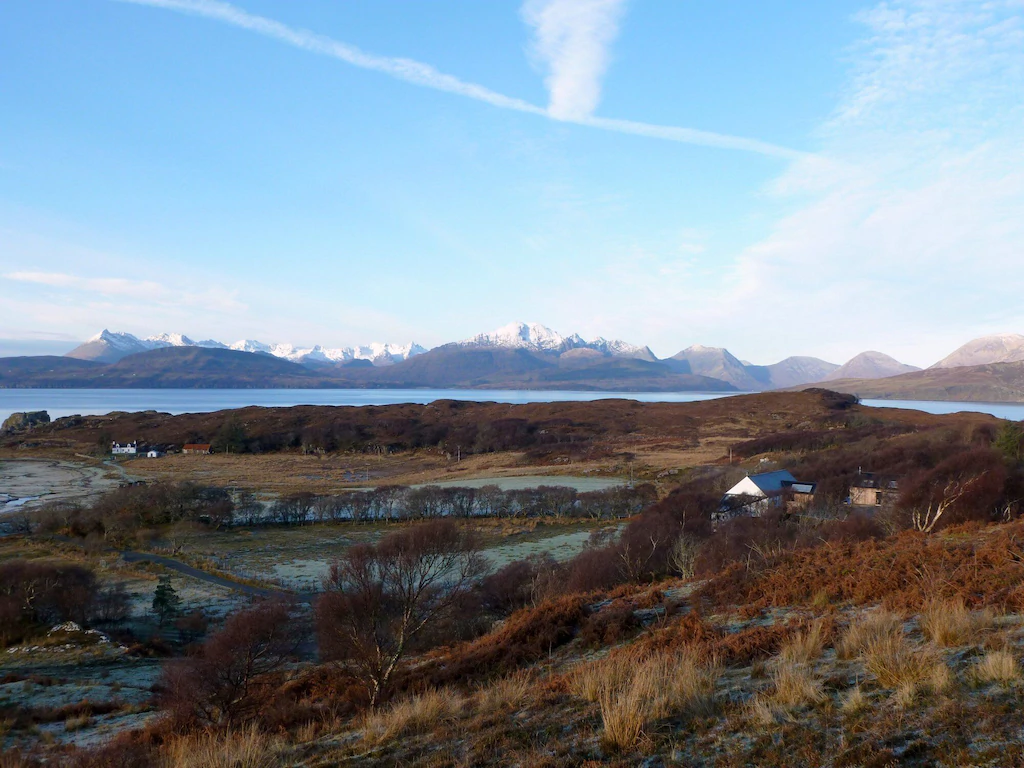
x,y
524,638
610,625
226,681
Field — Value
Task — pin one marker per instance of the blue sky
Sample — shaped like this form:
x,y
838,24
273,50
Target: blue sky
x,y
272,170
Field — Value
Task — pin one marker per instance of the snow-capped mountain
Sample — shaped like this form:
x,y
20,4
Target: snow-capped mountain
x,y
540,338
110,346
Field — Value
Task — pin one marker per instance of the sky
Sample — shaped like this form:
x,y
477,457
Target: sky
x,y
771,176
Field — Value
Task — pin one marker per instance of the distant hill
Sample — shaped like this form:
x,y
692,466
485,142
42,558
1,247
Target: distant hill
x,y
455,365
16,369
870,365
715,363
171,367
993,383
792,370
451,366
1002,348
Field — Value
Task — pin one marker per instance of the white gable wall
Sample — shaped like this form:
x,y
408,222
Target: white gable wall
x,y
745,487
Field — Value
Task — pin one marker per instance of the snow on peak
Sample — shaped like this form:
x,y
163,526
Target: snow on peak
x,y
519,336
170,340
540,338
117,340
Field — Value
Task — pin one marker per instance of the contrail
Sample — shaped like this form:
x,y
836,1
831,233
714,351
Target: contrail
x,y
418,73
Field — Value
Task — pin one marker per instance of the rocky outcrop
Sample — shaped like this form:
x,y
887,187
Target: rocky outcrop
x,y
17,422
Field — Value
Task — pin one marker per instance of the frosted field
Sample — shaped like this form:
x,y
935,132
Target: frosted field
x,y
299,557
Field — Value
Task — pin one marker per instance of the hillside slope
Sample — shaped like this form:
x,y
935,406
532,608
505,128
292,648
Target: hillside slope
x,y
995,383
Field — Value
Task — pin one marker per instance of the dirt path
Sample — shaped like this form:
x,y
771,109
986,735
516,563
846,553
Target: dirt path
x,y
187,570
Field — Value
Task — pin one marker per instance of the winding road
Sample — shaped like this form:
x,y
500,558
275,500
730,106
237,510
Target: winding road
x,y
130,556
187,570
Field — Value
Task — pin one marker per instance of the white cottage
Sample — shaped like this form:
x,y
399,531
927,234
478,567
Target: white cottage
x,y
121,449
755,494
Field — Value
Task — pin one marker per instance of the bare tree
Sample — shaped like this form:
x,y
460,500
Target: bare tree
x,y
925,519
683,557
380,598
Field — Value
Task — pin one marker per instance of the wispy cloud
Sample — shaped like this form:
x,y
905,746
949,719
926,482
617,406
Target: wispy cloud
x,y
578,33
904,231
105,288
572,40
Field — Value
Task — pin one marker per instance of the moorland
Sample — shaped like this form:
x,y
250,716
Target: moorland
x,y
543,584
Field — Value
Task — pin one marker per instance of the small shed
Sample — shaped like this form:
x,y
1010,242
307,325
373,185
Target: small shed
x,y
202,449
153,453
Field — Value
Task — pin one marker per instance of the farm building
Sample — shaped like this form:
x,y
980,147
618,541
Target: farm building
x,y
197,448
121,449
154,454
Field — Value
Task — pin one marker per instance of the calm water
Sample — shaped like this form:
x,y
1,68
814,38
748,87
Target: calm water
x,y
67,402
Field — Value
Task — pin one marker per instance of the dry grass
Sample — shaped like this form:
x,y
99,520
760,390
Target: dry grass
x,y
508,693
855,701
246,748
805,646
997,667
77,723
632,694
896,664
763,711
416,714
948,623
867,630
794,685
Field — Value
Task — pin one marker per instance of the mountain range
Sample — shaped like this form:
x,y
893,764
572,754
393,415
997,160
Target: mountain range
x,y
518,355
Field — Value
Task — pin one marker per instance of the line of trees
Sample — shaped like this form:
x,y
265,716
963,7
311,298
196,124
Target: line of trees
x,y
401,503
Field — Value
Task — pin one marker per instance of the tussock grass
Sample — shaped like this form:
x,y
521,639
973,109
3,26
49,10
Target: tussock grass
x,y
805,646
948,623
633,693
77,723
507,693
763,711
997,667
246,748
794,685
416,714
867,630
896,664
855,701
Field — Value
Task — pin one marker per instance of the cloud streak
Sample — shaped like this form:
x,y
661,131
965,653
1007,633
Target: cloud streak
x,y
572,38
575,47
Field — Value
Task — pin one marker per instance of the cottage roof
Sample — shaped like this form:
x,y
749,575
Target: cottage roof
x,y
772,482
